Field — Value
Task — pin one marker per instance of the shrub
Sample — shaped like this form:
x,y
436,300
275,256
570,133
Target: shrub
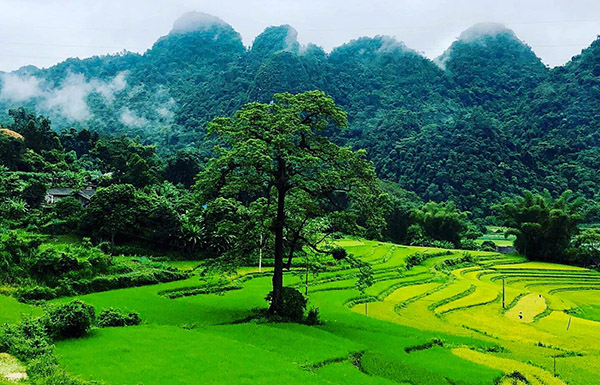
x,y
35,293
49,265
294,304
516,375
469,244
113,317
70,320
312,318
487,246
339,253
46,370
25,340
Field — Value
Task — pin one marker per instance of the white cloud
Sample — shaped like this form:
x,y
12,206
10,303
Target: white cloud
x,y
129,118
482,29
70,99
195,21
19,89
109,89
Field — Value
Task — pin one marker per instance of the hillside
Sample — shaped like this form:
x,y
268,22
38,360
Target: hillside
x,y
484,120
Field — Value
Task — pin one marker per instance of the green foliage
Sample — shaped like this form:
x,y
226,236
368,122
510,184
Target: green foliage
x,y
183,168
36,130
71,320
278,168
113,317
293,304
312,317
11,151
585,248
486,122
25,340
70,213
34,193
543,226
442,222
48,266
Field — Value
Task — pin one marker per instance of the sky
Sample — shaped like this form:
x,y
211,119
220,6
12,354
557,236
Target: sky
x,y
45,32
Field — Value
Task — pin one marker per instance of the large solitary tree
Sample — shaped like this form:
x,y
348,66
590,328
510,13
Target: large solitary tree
x,y
295,183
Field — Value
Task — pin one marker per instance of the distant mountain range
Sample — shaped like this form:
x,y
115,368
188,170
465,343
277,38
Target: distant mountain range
x,y
485,119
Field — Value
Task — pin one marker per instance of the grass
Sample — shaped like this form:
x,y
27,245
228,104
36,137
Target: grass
x,y
199,339
13,311
140,355
496,235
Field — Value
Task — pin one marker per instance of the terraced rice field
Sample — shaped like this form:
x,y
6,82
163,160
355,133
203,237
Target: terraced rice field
x,y
441,321
549,311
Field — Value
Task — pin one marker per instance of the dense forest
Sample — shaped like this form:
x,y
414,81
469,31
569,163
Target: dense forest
x,y
484,121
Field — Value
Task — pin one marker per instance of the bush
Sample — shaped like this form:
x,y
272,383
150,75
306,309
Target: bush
x,y
469,244
46,370
70,320
25,340
487,246
113,317
35,293
312,318
339,253
294,304
48,266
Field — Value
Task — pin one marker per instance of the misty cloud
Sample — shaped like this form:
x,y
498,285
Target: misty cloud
x,y
390,44
129,118
195,21
68,99
108,90
19,88
483,29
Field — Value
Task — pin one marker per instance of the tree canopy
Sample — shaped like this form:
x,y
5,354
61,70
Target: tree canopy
x,y
276,163
543,226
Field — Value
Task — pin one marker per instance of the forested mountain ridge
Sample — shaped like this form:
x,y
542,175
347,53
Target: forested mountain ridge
x,y
485,119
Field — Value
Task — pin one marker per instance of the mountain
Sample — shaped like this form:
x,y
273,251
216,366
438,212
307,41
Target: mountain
x,y
484,120
491,66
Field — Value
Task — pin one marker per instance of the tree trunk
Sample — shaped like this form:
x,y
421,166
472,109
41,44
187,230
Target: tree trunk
x,y
112,242
277,301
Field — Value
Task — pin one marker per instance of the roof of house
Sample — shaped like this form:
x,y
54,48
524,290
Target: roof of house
x,y
59,191
87,193
64,192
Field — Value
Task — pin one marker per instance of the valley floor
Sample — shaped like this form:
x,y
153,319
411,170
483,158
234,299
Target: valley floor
x,y
440,322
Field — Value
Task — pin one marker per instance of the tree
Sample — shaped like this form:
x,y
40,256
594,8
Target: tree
x,y
543,226
586,247
442,222
129,161
274,154
183,168
11,150
36,130
34,193
112,211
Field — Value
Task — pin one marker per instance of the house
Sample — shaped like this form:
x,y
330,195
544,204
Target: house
x,y
54,195
505,249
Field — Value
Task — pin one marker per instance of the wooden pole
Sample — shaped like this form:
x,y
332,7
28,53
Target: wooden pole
x,y
306,283
260,254
569,324
503,293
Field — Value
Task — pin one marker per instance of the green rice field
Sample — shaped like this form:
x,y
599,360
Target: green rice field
x,y
439,322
